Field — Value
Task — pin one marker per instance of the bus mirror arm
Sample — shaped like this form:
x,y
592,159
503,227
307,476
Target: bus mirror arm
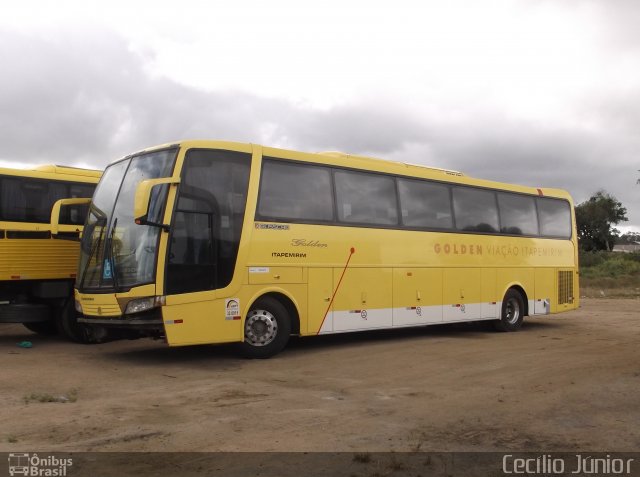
x,y
142,201
143,221
56,227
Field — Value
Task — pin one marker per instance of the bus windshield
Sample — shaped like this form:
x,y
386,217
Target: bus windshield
x,y
117,253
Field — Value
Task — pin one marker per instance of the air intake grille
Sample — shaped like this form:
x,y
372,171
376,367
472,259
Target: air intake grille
x,y
565,287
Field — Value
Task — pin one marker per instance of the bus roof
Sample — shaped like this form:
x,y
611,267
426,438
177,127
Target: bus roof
x,y
55,172
341,159
69,170
344,155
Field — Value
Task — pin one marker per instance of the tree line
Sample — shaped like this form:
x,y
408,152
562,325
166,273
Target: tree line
x,y
596,219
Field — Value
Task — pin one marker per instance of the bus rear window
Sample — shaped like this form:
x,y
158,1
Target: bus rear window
x,y
555,218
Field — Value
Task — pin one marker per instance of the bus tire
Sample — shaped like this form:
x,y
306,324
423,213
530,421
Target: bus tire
x,y
24,313
267,328
512,313
68,326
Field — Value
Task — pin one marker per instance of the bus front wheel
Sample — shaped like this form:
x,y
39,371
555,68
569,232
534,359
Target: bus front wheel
x,y
266,329
512,313
67,320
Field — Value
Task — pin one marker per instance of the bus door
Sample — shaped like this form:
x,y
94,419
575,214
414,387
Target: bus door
x,y
203,247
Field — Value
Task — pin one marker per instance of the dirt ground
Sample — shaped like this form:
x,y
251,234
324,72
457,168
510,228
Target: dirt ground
x,y
567,382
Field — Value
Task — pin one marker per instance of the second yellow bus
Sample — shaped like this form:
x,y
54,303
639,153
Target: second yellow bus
x,y
37,272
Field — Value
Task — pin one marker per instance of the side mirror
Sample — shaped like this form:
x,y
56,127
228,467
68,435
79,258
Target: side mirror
x,y
146,210
56,226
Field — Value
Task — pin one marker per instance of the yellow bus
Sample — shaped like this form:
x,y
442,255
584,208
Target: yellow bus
x,y
37,273
215,242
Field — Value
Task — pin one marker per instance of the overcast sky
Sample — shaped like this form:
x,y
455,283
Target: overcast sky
x,y
539,92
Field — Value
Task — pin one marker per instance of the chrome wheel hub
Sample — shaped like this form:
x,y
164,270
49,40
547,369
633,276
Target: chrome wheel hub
x,y
512,311
261,328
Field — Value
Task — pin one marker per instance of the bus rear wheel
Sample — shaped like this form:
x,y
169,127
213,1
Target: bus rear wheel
x,y
266,329
512,313
35,317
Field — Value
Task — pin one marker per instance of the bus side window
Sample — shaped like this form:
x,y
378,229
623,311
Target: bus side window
x,y
13,203
78,213
517,214
365,198
425,204
29,200
475,210
295,192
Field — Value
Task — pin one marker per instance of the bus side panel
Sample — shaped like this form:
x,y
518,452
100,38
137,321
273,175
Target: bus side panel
x,y
417,296
35,259
363,300
544,291
200,322
462,294
489,306
320,291
203,319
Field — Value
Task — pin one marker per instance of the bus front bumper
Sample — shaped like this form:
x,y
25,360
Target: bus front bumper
x,y
148,324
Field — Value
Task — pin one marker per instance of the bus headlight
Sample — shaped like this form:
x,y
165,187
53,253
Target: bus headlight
x,y
143,304
78,306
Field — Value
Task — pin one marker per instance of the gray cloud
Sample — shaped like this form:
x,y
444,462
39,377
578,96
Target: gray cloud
x,y
375,127
572,157
86,97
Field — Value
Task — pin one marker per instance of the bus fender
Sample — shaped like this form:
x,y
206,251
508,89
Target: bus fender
x,y
520,289
287,299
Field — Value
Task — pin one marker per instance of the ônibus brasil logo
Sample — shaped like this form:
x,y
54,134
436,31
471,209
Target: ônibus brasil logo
x,y
36,466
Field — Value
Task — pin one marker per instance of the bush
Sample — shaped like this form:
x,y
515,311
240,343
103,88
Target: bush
x,y
589,260
614,267
619,272
592,259
633,256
